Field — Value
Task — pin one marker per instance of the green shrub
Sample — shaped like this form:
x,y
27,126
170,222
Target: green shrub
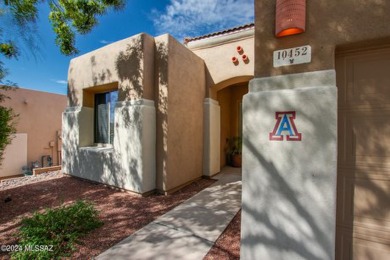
x,y
52,234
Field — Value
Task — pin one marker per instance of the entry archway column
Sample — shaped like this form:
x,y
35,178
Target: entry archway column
x,y
211,135
289,167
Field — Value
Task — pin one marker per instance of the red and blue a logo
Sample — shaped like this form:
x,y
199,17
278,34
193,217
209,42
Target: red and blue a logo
x,y
285,126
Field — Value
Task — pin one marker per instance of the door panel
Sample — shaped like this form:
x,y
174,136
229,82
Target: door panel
x,y
363,189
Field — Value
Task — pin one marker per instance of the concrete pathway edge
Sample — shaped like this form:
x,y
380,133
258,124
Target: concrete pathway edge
x,y
189,230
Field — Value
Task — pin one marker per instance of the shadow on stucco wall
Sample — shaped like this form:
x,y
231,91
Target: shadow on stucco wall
x,y
73,99
371,202
128,124
161,66
127,145
119,166
277,233
209,83
103,76
70,137
129,70
285,217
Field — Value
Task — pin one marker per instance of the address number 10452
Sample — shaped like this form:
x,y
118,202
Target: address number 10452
x,y
297,55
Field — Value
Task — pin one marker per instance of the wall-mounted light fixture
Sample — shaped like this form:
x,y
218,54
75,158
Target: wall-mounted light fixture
x,y
290,17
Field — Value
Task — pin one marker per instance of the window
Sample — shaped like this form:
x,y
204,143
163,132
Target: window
x,y
105,116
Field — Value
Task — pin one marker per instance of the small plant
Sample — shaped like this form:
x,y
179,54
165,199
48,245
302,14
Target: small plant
x,y
52,234
235,145
234,151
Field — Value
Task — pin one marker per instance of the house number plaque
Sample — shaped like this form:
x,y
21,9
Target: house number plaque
x,y
292,56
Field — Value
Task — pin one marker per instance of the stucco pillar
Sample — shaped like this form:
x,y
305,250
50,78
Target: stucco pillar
x,y
135,146
77,130
211,135
289,167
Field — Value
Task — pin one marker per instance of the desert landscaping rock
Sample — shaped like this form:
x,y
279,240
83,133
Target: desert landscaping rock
x,y
20,181
122,213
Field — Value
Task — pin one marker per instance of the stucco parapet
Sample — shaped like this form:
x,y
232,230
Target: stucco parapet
x,y
162,37
129,63
162,41
111,46
293,81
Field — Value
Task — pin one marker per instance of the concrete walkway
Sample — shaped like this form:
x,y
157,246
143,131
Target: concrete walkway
x,y
189,230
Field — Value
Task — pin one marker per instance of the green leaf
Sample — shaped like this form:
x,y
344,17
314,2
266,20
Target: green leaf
x,y
60,227
71,16
9,49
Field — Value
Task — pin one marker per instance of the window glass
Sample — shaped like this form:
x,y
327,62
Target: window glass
x,y
105,117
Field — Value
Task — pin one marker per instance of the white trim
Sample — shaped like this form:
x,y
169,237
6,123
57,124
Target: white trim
x,y
211,137
210,101
98,148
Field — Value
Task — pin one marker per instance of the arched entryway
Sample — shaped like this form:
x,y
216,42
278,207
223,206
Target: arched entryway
x,y
230,102
223,123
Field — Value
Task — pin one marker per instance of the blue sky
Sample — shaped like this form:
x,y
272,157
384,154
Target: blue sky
x,y
46,69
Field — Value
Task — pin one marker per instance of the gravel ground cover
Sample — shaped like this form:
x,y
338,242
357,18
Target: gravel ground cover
x,y
228,244
122,213
20,181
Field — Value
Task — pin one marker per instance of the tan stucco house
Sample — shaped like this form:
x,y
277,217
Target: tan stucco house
x,y
312,108
38,138
152,113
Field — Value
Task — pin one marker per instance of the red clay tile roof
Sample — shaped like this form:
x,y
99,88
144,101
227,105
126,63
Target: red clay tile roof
x,y
238,28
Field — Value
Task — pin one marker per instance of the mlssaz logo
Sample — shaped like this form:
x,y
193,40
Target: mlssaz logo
x,y
285,126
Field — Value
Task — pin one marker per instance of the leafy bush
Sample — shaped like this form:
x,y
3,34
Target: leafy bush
x,y
52,234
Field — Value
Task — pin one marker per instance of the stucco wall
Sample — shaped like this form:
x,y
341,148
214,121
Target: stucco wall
x,y
329,24
237,94
289,187
217,53
129,162
181,92
279,171
129,62
15,156
40,118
